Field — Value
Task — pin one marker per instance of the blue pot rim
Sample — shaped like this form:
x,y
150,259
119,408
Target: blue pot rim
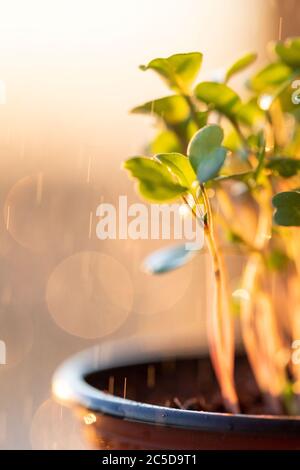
x,y
70,388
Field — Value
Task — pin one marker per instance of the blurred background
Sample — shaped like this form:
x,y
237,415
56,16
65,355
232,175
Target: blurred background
x,y
68,76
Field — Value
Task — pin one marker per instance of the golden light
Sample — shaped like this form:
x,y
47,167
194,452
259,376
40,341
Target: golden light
x,y
241,294
64,21
90,418
69,76
61,391
184,210
265,102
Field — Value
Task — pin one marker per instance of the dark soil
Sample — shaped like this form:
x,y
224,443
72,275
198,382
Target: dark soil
x,y
186,383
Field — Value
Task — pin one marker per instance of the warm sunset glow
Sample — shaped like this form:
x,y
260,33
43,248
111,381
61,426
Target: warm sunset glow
x,y
69,76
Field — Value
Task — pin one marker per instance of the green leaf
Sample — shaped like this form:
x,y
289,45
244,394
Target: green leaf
x,y
167,259
205,152
234,237
260,161
203,143
186,129
284,166
270,77
179,70
277,260
201,117
250,114
155,182
165,142
289,97
220,96
289,51
172,109
287,205
241,64
233,142
180,166
256,141
210,166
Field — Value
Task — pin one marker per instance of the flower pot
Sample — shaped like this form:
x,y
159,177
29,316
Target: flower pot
x,y
123,421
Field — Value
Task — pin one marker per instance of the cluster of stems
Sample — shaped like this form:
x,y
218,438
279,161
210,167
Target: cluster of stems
x,y
265,129
261,332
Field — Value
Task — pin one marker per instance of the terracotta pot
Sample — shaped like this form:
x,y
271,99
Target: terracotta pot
x,y
114,422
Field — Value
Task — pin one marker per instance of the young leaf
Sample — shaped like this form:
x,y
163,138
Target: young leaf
x,y
289,51
270,77
250,114
211,164
155,182
240,65
220,96
284,166
287,205
205,152
203,143
179,70
172,109
180,166
167,259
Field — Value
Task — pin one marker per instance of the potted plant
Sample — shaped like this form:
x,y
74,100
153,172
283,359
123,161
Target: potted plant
x,y
223,156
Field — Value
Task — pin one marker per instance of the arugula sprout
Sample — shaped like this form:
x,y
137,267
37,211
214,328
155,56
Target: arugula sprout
x,y
209,137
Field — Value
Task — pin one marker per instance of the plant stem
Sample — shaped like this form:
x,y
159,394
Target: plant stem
x,y
188,98
249,283
240,134
228,220
192,107
259,361
220,329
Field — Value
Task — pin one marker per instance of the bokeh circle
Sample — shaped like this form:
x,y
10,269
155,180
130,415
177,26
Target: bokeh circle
x,y
89,294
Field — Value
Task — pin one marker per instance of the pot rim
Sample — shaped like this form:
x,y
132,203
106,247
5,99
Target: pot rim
x,y
70,388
